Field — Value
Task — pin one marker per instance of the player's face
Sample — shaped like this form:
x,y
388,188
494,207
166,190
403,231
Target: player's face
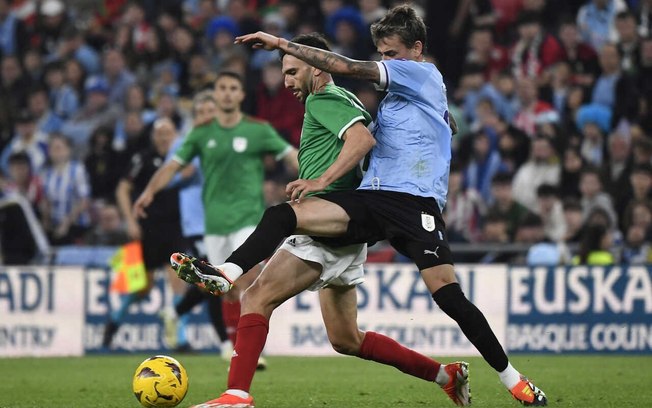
x,y
228,94
392,47
298,76
205,112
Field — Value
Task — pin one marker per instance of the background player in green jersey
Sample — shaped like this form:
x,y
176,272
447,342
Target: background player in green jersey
x,y
231,148
334,137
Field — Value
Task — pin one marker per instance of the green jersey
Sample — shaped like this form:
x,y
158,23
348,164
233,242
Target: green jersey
x,y
232,166
329,114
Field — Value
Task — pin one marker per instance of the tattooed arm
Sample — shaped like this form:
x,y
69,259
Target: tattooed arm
x,y
325,60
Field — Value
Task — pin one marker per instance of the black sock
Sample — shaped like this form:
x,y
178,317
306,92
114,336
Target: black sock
x,y
215,314
190,299
278,222
474,325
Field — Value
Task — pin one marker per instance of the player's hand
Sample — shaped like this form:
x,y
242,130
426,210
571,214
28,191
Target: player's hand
x,y
259,40
298,189
143,202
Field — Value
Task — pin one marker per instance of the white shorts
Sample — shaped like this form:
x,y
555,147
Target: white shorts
x,y
219,247
340,266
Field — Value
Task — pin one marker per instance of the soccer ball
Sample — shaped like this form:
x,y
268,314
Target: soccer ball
x,y
160,381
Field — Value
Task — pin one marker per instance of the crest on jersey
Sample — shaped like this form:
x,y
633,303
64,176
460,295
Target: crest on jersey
x,y
428,222
211,144
239,144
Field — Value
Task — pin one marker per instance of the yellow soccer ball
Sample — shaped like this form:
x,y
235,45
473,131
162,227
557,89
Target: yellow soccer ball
x,y
160,381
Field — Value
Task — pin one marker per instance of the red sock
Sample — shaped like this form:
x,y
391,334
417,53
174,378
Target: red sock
x,y
252,334
384,350
231,315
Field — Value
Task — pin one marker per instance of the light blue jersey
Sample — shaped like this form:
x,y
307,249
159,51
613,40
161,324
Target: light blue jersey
x,y
191,206
413,138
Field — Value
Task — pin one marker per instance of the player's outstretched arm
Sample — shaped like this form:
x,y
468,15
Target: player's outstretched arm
x,y
325,60
159,180
358,141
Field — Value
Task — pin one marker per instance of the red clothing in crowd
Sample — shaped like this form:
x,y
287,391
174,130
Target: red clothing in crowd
x,y
282,110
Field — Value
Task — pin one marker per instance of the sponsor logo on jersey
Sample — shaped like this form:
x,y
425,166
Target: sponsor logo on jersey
x,y
239,144
428,222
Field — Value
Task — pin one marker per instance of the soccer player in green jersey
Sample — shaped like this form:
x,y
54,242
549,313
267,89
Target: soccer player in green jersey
x,y
334,137
231,148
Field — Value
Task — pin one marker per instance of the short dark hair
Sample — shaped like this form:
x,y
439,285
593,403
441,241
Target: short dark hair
x,y
547,190
572,204
403,21
230,74
19,158
315,40
502,178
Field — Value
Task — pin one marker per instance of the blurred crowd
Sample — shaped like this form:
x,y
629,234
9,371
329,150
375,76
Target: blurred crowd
x,y
553,99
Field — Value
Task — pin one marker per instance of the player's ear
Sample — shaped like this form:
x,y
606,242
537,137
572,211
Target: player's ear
x,y
316,71
417,48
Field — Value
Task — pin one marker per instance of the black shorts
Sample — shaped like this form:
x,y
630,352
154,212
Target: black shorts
x,y
160,240
413,225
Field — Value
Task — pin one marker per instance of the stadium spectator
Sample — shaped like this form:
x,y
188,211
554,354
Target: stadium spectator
x,y
533,110
614,89
64,101
483,51
551,212
636,249
573,220
14,33
581,57
75,77
65,216
628,42
596,21
504,204
51,20
571,167
485,163
116,75
38,106
494,230
27,139
33,66
96,112
644,18
535,50
594,146
639,212
72,46
595,247
637,187
618,167
109,230
645,84
593,195
103,164
23,180
464,208
276,104
13,84
542,168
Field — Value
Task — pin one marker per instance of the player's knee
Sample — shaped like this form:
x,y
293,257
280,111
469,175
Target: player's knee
x,y
348,345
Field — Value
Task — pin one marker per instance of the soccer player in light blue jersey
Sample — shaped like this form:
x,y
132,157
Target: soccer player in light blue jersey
x,y
403,192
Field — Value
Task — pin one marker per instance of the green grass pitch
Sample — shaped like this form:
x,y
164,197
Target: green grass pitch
x,y
291,382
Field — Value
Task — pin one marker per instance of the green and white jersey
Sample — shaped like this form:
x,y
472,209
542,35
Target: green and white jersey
x,y
329,114
232,166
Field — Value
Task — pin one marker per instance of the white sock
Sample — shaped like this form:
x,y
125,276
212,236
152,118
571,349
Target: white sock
x,y
442,377
238,393
231,270
509,376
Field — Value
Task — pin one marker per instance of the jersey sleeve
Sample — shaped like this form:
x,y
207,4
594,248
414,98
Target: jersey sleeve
x,y
188,149
274,143
336,113
404,77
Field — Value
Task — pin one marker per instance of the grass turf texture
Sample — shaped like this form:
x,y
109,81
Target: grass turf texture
x,y
290,382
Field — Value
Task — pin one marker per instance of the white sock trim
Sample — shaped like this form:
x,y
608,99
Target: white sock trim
x,y
442,377
238,393
509,376
231,270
